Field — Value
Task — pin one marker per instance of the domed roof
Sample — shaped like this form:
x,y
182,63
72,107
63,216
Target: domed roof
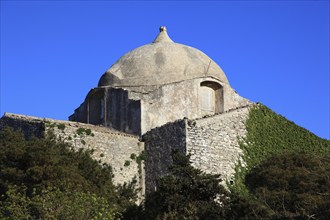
x,y
161,62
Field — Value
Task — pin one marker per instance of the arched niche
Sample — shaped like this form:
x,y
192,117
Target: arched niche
x,y
95,107
210,98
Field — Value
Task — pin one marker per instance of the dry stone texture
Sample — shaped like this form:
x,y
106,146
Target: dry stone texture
x,y
159,143
213,141
109,146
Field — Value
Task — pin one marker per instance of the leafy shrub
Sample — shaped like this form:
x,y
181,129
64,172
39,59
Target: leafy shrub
x,y
50,171
61,127
133,156
127,163
82,131
186,193
293,185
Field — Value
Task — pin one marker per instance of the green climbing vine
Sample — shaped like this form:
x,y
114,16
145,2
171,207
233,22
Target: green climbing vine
x,y
269,133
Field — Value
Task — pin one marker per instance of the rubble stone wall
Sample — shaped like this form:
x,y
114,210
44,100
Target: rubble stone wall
x,y
159,143
109,146
213,141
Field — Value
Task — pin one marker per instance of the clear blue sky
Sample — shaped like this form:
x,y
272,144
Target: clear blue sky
x,y
273,52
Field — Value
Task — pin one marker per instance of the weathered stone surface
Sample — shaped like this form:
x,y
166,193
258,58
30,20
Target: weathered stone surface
x,y
33,127
109,146
159,143
172,95
155,84
161,62
213,141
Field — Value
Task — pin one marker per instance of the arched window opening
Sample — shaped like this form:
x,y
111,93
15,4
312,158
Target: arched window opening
x,y
210,98
207,96
95,108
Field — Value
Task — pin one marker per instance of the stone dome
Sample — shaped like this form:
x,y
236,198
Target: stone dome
x,y
159,63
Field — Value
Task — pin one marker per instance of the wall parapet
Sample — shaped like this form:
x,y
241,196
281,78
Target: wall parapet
x,y
32,119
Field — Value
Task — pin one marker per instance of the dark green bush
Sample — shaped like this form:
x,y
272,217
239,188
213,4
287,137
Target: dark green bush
x,y
293,185
51,171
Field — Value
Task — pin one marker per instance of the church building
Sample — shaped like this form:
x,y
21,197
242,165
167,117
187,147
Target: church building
x,y
156,98
155,84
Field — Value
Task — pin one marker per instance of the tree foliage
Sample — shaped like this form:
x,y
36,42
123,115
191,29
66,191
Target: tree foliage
x,y
293,185
53,203
186,193
189,193
45,178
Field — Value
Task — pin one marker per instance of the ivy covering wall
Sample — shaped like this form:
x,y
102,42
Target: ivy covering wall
x,y
270,134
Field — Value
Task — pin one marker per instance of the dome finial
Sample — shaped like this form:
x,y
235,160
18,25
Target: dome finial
x,y
162,28
162,36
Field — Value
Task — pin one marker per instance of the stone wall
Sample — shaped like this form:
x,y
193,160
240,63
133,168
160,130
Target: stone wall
x,y
138,109
165,103
213,141
33,127
174,101
159,143
110,146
